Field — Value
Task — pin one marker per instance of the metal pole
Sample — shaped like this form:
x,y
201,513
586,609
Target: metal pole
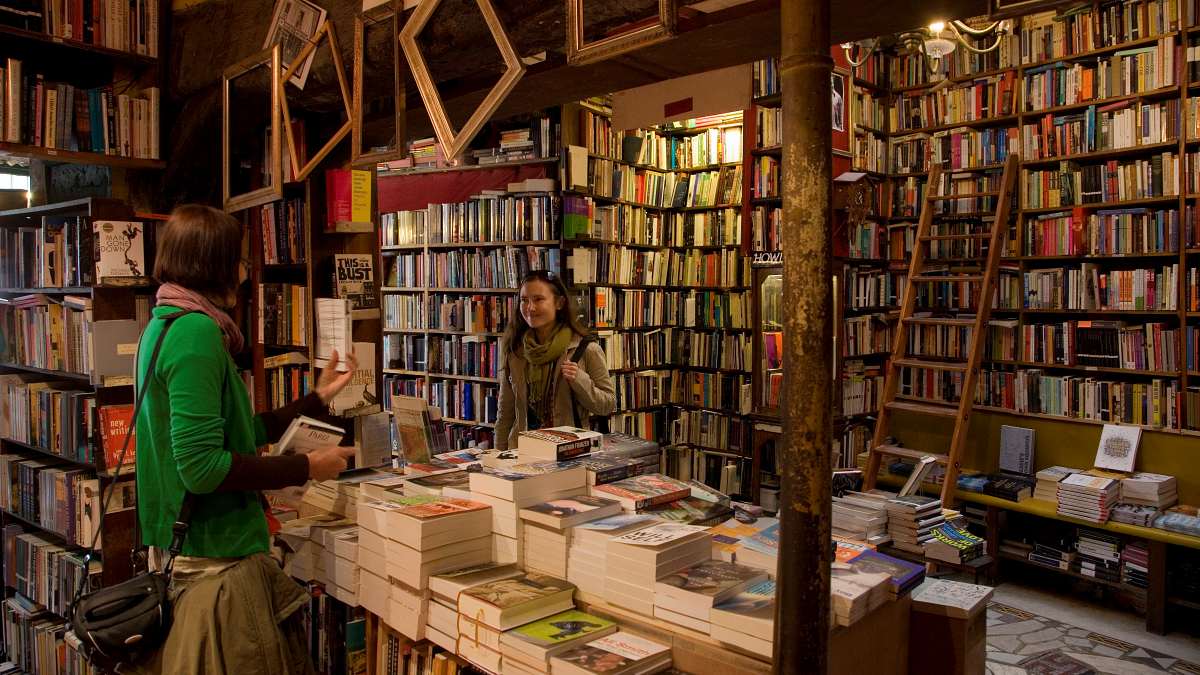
x,y
802,608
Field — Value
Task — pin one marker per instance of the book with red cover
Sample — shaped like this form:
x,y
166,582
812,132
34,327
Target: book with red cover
x,y
115,422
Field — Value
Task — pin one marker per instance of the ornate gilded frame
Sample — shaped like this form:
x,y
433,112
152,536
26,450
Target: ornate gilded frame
x,y
580,52
358,155
267,58
326,33
453,142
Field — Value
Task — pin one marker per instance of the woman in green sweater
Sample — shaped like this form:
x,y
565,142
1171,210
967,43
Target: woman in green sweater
x,y
235,610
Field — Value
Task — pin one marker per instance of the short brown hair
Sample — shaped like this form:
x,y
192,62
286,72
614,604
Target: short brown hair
x,y
199,248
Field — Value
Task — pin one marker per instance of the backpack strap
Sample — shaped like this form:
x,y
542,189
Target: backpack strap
x,y
580,350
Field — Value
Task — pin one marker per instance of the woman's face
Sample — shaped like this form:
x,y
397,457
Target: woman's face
x,y
539,304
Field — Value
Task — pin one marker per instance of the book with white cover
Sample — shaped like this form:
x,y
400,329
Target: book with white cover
x,y
618,654
334,325
305,434
950,598
1118,447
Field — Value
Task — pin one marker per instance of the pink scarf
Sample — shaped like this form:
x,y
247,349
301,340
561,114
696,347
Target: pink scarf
x,y
175,295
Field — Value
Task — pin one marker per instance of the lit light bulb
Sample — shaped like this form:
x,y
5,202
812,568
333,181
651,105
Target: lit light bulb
x,y
937,27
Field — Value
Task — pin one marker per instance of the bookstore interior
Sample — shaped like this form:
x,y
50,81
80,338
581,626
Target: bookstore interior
x,y
413,181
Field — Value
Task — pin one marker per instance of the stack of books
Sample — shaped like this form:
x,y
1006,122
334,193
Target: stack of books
x,y
1087,497
729,537
861,516
588,552
1057,553
904,575
375,588
638,493
1048,480
424,536
1010,487
548,527
1135,564
747,620
1098,555
616,654
687,597
634,448
1149,489
636,560
761,549
855,594
603,469
487,610
314,543
520,486
1134,514
340,571
435,484
339,496
442,621
528,649
911,519
691,511
952,545
1181,518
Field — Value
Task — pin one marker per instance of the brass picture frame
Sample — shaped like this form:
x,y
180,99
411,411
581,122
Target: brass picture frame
x,y
453,142
268,58
326,33
580,52
358,155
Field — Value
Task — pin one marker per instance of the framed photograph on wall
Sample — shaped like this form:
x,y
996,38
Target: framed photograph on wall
x,y
838,84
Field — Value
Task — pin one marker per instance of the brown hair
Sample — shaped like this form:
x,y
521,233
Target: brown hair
x,y
199,248
514,333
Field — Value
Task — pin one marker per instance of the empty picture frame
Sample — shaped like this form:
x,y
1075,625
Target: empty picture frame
x,y
327,35
251,171
386,137
453,141
580,51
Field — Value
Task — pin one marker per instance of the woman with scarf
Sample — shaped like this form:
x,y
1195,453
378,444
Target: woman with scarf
x,y
540,385
235,611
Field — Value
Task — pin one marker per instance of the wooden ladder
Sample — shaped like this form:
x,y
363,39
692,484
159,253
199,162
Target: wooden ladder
x,y
985,285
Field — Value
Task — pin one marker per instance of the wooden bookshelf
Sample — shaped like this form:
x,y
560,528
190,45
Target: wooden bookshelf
x,y
115,302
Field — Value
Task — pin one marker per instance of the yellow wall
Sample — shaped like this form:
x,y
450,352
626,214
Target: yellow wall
x,y
1071,444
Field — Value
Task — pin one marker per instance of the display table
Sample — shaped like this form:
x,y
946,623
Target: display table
x,y
885,630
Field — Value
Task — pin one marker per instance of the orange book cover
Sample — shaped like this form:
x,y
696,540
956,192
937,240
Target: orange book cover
x,y
442,507
115,422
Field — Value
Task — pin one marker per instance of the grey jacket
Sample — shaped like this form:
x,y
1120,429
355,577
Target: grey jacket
x,y
593,391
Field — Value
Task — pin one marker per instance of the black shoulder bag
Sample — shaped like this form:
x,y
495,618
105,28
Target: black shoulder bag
x,y
121,624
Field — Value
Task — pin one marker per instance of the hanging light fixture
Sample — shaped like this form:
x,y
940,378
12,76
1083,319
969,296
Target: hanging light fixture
x,y
934,42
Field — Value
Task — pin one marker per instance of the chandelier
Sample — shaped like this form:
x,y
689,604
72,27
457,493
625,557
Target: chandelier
x,y
935,41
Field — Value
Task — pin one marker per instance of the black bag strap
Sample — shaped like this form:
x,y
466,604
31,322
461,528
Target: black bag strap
x,y
580,350
180,528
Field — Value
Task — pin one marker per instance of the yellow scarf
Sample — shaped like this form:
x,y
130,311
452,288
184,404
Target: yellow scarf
x,y
540,359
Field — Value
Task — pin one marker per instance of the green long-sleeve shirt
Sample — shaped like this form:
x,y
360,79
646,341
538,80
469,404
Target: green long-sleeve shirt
x,y
195,415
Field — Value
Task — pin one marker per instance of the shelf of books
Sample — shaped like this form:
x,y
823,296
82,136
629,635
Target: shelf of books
x,y
653,234
452,268
73,300
1094,316
104,69
1097,285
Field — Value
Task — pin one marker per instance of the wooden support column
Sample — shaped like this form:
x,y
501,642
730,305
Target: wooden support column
x,y
804,452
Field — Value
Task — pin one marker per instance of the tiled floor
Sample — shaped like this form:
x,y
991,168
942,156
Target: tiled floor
x,y
1020,642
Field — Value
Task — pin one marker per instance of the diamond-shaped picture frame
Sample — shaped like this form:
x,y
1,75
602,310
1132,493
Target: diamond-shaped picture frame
x,y
327,35
580,52
453,142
